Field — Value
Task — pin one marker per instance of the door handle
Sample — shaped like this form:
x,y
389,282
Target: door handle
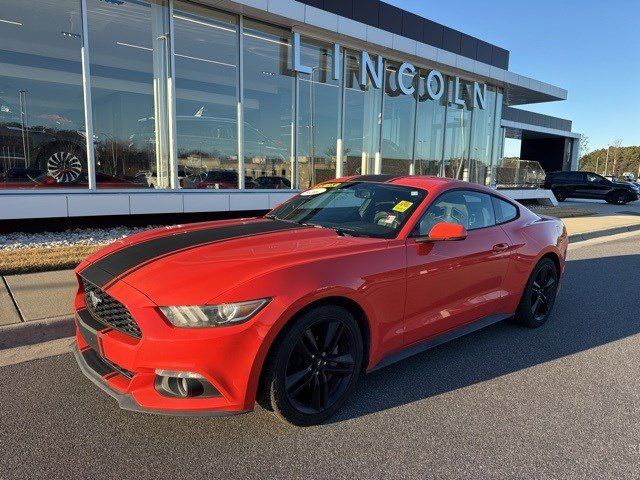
x,y
500,247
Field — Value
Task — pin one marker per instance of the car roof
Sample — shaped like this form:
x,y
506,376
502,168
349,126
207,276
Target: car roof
x,y
415,181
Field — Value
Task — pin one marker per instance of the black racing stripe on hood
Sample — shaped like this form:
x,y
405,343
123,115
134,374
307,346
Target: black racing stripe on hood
x,y
117,263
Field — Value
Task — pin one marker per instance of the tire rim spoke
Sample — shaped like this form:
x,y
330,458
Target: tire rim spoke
x,y
303,351
311,340
320,397
334,332
296,382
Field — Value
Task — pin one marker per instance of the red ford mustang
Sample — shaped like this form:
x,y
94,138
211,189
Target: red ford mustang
x,y
289,309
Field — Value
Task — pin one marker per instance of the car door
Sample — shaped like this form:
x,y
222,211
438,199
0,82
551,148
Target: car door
x,y
451,283
598,185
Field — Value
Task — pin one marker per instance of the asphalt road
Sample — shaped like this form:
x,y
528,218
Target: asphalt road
x,y
562,401
603,208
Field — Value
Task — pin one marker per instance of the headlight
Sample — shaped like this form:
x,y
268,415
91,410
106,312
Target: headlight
x,y
213,315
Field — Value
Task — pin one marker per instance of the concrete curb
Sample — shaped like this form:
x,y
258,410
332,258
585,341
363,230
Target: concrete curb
x,y
29,333
580,237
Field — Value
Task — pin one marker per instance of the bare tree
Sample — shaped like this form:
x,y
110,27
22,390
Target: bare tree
x,y
615,146
584,145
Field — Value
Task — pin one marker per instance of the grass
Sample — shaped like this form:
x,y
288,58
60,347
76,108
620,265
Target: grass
x,y
563,212
44,259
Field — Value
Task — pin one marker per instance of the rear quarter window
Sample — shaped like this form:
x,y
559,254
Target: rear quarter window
x,y
505,211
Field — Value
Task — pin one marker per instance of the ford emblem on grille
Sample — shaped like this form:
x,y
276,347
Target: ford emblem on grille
x,y
94,299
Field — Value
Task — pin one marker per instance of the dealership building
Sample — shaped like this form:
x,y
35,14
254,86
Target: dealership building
x,y
129,107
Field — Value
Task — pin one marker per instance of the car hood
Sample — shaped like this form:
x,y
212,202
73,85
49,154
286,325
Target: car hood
x,y
194,265
623,184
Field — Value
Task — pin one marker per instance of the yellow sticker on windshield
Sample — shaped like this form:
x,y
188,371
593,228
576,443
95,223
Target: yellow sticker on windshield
x,y
403,206
330,185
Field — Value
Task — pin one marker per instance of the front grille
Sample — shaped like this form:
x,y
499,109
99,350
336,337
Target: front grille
x,y
107,310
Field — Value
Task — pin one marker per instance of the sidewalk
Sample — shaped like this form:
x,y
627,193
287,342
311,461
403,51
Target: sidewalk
x,y
37,307
584,228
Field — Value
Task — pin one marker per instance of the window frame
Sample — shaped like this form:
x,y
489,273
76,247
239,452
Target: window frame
x,y
513,204
416,226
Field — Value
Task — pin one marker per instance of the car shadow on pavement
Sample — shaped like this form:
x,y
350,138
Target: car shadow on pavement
x,y
587,314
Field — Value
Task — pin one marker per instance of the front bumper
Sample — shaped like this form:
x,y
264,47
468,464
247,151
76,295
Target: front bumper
x,y
124,366
92,365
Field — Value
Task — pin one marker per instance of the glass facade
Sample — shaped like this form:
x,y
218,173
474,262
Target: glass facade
x,y
362,112
398,122
430,127
182,95
206,79
129,92
269,87
42,139
318,114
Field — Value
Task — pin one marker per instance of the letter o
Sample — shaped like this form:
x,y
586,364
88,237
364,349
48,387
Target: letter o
x,y
435,95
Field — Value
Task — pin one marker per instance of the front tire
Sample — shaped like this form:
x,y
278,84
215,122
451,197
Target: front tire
x,y
560,194
314,367
618,198
539,295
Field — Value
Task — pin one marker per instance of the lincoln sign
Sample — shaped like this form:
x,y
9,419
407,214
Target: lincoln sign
x,y
373,71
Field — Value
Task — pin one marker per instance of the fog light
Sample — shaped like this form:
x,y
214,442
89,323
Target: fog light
x,y
190,387
183,385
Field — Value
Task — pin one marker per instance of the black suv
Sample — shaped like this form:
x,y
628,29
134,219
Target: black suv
x,y
590,185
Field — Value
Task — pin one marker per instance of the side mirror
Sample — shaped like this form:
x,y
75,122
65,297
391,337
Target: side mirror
x,y
445,232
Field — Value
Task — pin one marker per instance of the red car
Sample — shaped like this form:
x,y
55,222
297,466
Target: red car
x,y
289,309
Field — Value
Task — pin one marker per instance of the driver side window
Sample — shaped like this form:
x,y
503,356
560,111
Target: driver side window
x,y
472,210
594,178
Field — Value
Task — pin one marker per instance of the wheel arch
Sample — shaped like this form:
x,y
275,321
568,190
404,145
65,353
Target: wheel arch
x,y
554,257
347,303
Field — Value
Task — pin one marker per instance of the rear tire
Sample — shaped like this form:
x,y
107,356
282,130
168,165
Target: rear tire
x,y
314,367
539,295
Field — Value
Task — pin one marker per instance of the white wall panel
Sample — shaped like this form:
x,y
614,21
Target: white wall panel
x,y
27,205
147,203
249,201
83,205
203,202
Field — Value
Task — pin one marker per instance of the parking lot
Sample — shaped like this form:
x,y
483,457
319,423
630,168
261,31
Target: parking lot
x,y
561,401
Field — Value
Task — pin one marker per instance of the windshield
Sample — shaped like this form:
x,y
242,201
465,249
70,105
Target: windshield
x,y
355,208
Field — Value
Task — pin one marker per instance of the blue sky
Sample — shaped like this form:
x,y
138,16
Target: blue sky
x,y
589,47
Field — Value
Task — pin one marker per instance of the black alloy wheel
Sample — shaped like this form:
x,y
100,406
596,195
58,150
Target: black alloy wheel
x,y
543,292
539,295
315,367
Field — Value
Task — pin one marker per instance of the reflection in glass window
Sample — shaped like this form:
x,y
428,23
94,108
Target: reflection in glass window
x,y
430,130
482,132
128,65
318,115
268,105
42,141
458,131
362,120
498,137
398,123
206,62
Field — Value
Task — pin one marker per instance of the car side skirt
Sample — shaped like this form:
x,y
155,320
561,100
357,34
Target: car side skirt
x,y
437,340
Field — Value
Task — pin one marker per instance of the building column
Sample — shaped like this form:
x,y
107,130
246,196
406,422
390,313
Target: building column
x,y
575,154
